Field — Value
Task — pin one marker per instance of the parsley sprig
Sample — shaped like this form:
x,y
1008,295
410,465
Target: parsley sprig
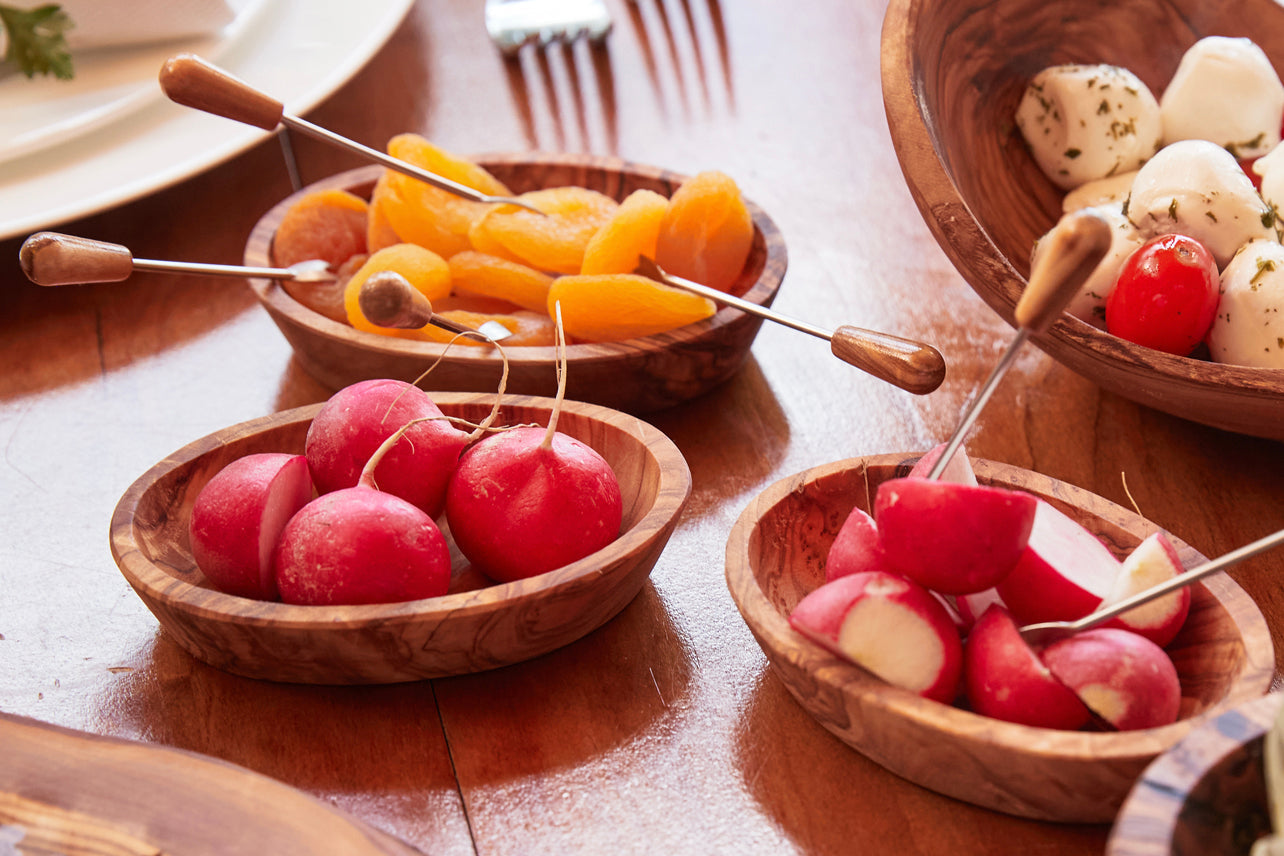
x,y
37,41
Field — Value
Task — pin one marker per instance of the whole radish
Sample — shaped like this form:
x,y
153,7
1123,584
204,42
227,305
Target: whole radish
x,y
362,545
528,499
357,419
238,516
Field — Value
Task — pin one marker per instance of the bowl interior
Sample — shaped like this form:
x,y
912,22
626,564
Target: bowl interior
x,y
776,555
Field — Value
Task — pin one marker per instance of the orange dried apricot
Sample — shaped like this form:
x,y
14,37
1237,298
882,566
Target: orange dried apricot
x,y
422,268
553,241
707,232
614,306
482,275
379,231
631,232
323,224
326,298
426,215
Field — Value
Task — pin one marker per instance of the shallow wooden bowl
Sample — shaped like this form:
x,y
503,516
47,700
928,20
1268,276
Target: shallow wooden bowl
x,y
776,555
953,72
1207,794
475,626
638,375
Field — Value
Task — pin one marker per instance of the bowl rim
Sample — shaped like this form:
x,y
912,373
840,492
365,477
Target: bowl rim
x,y
257,253
856,683
672,491
936,194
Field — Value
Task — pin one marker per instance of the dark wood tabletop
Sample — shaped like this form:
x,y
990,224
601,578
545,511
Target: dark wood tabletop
x,y
665,731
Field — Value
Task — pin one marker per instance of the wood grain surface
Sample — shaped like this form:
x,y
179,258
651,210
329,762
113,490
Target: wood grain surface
x,y
665,730
953,74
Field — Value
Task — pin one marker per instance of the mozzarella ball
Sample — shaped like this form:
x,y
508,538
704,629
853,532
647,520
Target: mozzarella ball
x,y
1249,327
1089,303
1271,169
1084,122
1107,192
1197,188
1226,91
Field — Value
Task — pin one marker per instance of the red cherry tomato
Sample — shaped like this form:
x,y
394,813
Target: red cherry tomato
x,y
1166,295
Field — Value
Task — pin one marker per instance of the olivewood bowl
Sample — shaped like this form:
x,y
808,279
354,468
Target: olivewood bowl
x,y
953,72
475,626
1207,794
776,555
637,375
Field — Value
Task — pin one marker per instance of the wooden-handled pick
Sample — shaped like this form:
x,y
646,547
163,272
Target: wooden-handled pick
x,y
387,299
193,82
1076,246
905,363
51,258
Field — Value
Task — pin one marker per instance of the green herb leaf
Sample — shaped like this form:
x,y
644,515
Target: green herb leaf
x,y
37,44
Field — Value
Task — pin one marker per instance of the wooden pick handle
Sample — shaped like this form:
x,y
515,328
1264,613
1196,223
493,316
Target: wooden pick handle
x,y
913,366
191,81
389,300
1079,243
50,258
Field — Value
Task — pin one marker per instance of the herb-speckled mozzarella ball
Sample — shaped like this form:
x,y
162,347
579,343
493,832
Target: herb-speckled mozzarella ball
x,y
1249,327
1226,91
1271,169
1197,188
1084,122
1089,303
1107,192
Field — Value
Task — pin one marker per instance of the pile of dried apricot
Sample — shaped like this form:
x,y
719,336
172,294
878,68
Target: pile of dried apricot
x,y
477,262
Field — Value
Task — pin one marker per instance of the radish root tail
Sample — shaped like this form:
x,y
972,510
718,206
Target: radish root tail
x,y
560,333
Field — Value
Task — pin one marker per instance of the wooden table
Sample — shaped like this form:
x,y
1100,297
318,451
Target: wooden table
x,y
665,731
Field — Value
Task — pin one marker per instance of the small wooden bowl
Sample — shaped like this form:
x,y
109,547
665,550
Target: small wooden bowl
x,y
476,626
953,72
1207,794
637,376
776,555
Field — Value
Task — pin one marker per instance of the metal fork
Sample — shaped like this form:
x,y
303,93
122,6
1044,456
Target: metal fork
x,y
513,23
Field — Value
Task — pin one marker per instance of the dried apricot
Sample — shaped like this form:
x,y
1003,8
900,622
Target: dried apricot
x,y
424,269
707,232
479,274
426,215
379,231
615,306
553,241
631,232
323,224
326,298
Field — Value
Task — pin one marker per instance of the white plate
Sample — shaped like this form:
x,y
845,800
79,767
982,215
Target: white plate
x,y
297,51
109,83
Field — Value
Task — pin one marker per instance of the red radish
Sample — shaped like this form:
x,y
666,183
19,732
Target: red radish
x,y
970,607
1151,562
1063,574
357,419
952,538
1005,679
1122,677
856,547
528,500
959,469
361,545
889,625
238,517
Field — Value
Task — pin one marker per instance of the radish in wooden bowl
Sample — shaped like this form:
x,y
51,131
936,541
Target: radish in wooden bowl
x,y
956,75
475,625
638,374
776,559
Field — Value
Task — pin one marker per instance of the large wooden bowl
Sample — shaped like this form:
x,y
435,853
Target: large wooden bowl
x,y
953,72
637,375
776,555
475,626
1207,794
